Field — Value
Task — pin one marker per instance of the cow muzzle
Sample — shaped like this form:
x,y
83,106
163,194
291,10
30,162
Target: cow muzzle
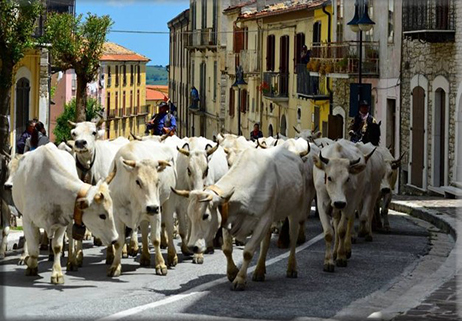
x,y
80,144
339,205
8,186
386,190
152,209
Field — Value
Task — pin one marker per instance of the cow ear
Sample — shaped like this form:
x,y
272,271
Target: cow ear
x,y
317,162
129,165
99,197
82,203
357,168
100,134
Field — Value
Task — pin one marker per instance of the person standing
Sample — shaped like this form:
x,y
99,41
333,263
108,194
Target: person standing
x,y
256,132
38,137
194,97
163,122
21,143
359,124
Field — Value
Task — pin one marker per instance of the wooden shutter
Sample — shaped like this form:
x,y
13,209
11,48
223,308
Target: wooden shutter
x,y
243,100
231,102
418,135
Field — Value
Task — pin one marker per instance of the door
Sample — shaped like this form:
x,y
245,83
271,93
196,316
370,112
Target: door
x,y
418,134
283,125
335,126
390,131
439,138
22,105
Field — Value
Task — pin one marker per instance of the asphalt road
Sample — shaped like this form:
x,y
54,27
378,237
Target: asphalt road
x,y
202,292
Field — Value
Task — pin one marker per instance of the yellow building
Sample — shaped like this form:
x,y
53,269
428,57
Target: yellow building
x,y
124,74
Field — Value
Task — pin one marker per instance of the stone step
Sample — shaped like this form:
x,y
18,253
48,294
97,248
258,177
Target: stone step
x,y
451,191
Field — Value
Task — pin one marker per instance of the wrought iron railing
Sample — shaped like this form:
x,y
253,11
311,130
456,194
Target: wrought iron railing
x,y
309,85
275,85
202,37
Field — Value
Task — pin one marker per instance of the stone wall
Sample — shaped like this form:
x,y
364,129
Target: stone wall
x,y
430,60
341,97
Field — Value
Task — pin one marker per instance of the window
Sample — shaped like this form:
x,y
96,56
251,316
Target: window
x,y
131,75
108,104
124,72
116,101
123,103
215,80
131,102
139,75
193,14
243,100
117,75
204,14
270,50
137,100
231,102
340,20
370,34
299,42
109,76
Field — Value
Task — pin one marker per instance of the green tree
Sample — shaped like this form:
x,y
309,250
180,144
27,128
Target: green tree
x,y
77,45
62,130
17,24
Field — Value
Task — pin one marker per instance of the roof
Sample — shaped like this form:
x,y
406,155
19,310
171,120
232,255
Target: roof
x,y
115,52
162,88
282,8
154,93
238,6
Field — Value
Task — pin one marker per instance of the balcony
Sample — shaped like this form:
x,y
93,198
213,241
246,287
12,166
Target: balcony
x,y
342,58
431,21
230,62
275,86
201,39
308,86
112,113
249,61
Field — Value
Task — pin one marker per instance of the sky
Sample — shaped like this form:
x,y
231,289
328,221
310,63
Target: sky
x,y
138,15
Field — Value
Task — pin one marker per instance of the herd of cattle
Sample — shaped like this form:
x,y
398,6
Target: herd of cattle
x,y
238,186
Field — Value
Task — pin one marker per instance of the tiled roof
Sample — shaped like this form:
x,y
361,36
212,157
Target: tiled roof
x,y
240,5
161,88
282,8
154,94
115,52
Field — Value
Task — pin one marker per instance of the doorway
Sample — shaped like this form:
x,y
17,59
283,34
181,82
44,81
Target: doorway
x,y
391,125
22,105
439,139
418,134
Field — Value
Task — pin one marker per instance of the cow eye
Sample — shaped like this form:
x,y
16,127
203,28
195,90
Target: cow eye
x,y
348,179
329,179
138,183
94,133
205,217
189,172
73,133
102,216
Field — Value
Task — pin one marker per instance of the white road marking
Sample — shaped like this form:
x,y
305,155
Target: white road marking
x,y
200,288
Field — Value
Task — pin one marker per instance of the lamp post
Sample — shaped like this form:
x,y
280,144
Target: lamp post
x,y
240,84
360,24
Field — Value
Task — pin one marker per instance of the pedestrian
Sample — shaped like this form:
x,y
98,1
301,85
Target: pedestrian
x,y
305,55
256,132
38,137
194,97
360,123
21,143
163,122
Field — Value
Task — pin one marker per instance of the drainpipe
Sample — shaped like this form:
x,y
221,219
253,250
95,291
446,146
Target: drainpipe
x,y
329,30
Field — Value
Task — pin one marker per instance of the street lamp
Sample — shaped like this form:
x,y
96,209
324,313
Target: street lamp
x,y
360,24
240,84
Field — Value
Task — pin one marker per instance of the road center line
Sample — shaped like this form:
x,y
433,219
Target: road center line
x,y
202,287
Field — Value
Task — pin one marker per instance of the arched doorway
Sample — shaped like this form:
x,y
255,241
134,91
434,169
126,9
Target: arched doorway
x,y
439,139
283,125
418,134
22,105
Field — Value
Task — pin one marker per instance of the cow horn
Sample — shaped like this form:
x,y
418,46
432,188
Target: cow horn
x,y
100,122
324,160
354,162
207,199
183,151
369,155
397,162
130,163
183,193
135,137
71,123
296,130
7,156
260,145
164,163
111,175
306,152
212,150
276,142
163,137
226,150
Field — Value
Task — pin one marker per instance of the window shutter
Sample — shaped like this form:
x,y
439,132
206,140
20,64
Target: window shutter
x,y
231,102
268,53
243,100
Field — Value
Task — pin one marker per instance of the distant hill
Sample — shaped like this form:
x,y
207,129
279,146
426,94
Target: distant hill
x,y
156,75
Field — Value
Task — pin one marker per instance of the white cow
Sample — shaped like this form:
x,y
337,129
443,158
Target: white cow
x,y
49,194
263,186
386,187
143,173
339,178
199,164
233,146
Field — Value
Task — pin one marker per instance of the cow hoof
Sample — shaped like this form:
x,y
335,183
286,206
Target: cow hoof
x,y
368,238
238,286
292,274
198,259
145,261
133,252
59,279
172,260
341,262
161,270
125,255
32,271
97,242
231,274
114,271
329,267
258,277
210,250
72,266
186,251
79,258
348,254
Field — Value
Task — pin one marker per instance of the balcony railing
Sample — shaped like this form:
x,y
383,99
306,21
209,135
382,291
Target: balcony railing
x,y
342,58
310,86
275,85
249,61
431,20
112,113
231,62
202,38
121,112
144,109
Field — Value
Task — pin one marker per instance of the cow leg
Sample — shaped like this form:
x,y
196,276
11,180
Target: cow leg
x,y
163,237
328,236
159,263
6,229
133,248
145,259
116,268
168,222
261,229
365,217
79,252
57,244
385,206
341,260
72,264
45,242
294,225
335,221
183,228
284,237
227,248
32,235
349,235
24,255
376,223
260,270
